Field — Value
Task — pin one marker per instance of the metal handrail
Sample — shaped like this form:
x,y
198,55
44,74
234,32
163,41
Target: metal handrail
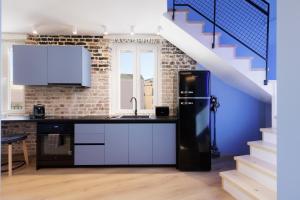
x,y
253,3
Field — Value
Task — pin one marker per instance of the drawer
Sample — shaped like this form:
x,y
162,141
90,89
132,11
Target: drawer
x,y
89,133
93,138
89,128
89,155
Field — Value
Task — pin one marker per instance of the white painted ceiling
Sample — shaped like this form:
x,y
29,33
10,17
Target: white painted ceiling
x,y
60,16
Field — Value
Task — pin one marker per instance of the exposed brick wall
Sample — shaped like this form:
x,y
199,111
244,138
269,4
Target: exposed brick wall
x,y
74,100
172,60
28,128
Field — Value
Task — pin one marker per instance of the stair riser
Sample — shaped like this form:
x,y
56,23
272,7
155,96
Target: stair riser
x,y
270,138
195,30
225,52
235,191
263,154
201,52
258,175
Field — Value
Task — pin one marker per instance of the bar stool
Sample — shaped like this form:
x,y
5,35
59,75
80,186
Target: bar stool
x,y
9,140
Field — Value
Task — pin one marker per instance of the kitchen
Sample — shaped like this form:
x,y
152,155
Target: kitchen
x,y
75,127
87,134
63,133
110,107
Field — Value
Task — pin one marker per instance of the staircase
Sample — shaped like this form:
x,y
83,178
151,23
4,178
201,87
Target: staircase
x,y
222,60
255,177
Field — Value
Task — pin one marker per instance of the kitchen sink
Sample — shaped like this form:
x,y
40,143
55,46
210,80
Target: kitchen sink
x,y
135,117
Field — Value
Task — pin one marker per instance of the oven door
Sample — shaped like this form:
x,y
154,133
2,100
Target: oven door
x,y
55,149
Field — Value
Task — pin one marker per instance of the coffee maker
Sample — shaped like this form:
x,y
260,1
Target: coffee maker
x,y
39,111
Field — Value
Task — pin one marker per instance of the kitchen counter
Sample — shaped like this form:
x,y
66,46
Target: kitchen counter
x,y
91,119
98,140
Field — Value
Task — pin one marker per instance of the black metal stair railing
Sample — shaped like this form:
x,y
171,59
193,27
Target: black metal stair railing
x,y
247,21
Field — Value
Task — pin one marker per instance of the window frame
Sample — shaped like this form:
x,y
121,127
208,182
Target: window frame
x,y
137,49
7,78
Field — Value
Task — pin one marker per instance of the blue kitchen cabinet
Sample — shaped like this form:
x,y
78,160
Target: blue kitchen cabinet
x,y
68,65
89,155
89,133
164,144
29,65
89,144
116,144
44,65
140,144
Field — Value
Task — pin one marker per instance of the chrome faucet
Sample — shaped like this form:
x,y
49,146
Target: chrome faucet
x,y
135,110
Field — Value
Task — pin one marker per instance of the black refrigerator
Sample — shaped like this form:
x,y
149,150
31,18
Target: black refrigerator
x,y
193,139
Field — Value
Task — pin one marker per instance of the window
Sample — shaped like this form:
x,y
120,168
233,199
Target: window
x,y
13,98
134,74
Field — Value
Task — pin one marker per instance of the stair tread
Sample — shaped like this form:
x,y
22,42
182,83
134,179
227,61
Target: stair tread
x,y
258,164
249,185
269,130
264,145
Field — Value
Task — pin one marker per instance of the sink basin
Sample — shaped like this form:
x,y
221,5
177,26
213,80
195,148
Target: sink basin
x,y
135,117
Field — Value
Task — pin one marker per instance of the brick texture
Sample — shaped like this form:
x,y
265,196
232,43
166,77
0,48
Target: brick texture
x,y
74,100
12,128
172,61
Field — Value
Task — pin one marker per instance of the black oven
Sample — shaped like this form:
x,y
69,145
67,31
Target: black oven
x,y
55,145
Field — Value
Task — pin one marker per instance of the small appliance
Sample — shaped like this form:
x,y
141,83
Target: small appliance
x,y
39,111
162,111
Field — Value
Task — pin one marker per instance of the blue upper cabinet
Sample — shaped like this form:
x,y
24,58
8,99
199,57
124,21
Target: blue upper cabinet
x,y
29,65
68,65
43,65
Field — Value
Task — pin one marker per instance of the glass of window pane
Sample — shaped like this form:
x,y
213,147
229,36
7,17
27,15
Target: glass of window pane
x,y
147,69
126,79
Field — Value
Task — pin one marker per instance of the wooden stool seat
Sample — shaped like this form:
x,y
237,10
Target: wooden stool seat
x,y
14,138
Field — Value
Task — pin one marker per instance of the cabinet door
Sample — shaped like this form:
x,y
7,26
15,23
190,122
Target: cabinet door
x,y
29,65
116,144
64,64
89,133
140,144
89,155
164,144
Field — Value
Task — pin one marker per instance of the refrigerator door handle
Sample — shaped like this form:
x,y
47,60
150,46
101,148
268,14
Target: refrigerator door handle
x,y
186,92
187,103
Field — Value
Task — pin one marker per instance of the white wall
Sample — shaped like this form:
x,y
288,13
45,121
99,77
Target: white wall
x,y
288,68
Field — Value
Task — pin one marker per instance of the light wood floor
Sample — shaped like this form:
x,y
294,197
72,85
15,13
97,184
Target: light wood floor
x,y
114,184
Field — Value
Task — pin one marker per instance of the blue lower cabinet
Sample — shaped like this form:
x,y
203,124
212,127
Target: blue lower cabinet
x,y
164,144
116,144
125,144
89,155
140,144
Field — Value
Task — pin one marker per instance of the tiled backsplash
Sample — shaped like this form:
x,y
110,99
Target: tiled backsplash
x,y
74,100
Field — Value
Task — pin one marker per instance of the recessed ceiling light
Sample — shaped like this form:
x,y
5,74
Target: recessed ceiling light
x,y
158,30
132,32
34,31
104,30
74,31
